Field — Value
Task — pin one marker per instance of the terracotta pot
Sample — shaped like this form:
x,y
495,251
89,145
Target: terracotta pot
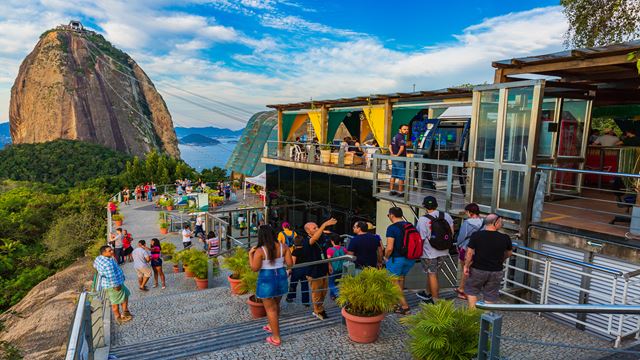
x,y
176,269
169,208
234,284
256,308
164,231
325,156
118,222
202,284
188,273
363,329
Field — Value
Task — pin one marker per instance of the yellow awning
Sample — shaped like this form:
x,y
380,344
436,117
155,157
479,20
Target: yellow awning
x,y
316,121
375,119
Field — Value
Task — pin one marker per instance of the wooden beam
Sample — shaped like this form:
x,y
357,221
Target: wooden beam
x,y
500,77
566,65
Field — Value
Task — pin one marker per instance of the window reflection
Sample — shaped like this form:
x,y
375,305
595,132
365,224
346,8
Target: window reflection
x,y
487,125
517,123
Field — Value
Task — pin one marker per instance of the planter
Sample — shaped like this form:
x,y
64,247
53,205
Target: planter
x,y
164,231
176,269
334,158
169,208
325,156
202,284
234,284
188,273
363,329
256,308
118,222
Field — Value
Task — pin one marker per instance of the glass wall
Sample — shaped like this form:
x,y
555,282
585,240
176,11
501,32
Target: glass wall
x,y
483,186
572,120
511,190
487,125
517,123
547,128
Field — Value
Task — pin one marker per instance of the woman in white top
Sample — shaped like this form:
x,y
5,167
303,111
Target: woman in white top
x,y
269,258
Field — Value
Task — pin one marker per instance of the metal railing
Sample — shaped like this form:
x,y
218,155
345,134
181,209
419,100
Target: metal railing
x,y
543,278
90,329
342,156
443,179
562,198
490,337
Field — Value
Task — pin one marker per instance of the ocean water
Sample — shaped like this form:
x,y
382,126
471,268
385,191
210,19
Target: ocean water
x,y
203,157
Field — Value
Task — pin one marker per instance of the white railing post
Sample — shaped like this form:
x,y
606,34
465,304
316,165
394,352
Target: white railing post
x,y
614,290
625,290
546,278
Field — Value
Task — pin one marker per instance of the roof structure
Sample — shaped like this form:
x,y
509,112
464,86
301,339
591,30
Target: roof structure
x,y
247,153
453,92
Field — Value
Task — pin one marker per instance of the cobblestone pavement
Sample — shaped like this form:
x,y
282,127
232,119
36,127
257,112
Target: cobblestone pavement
x,y
182,309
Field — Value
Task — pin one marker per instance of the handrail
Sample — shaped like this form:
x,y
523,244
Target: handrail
x,y
421,160
78,322
569,260
594,172
324,261
563,308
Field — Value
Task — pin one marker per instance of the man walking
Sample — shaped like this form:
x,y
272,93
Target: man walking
x,y
436,230
317,274
111,278
397,264
117,241
398,147
486,252
186,236
366,247
141,258
199,230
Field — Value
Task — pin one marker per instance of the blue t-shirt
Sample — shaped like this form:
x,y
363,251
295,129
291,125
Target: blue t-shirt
x,y
397,142
365,248
396,232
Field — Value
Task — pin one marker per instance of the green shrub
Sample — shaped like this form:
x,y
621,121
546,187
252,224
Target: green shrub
x,y
168,249
69,236
117,217
198,267
248,282
442,331
370,293
238,263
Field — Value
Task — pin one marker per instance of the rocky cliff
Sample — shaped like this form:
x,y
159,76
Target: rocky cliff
x,y
76,85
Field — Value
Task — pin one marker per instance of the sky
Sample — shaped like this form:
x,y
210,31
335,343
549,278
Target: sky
x,y
245,54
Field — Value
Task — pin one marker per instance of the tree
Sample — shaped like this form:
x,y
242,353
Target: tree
x,y
601,22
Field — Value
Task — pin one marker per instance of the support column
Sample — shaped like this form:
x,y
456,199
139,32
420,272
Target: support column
x,y
388,118
324,118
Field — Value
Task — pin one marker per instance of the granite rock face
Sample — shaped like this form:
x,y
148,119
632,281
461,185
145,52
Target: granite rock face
x,y
76,85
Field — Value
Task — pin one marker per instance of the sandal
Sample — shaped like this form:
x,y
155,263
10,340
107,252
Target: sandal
x,y
400,310
266,328
272,341
461,294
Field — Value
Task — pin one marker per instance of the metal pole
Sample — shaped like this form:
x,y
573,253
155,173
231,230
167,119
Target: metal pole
x,y
447,200
210,274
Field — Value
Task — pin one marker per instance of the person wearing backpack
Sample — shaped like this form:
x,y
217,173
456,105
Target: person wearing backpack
x,y
469,226
404,247
436,229
335,267
286,236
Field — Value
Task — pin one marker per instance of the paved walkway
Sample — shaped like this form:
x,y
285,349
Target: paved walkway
x,y
182,310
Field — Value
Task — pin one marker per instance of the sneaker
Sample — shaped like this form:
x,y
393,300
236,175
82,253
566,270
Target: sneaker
x,y
400,194
320,315
426,298
393,192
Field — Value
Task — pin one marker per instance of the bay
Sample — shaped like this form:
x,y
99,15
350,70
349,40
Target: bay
x,y
204,157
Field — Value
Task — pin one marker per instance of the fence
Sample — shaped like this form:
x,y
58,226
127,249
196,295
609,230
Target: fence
x,y
490,337
90,329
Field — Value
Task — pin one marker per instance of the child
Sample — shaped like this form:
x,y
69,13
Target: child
x,y
298,274
335,267
212,244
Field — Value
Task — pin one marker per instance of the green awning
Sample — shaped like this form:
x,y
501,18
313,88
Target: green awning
x,y
403,116
287,123
616,111
353,124
335,119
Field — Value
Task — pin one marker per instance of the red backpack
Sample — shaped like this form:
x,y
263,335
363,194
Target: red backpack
x,y
412,242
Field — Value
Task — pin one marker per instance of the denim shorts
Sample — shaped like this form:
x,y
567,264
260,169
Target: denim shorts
x,y
398,169
272,283
400,266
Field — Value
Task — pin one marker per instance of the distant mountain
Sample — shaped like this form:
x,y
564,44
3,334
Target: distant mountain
x,y
5,135
210,131
198,140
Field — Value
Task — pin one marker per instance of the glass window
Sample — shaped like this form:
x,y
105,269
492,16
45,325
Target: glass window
x,y
320,185
511,190
483,186
301,185
341,189
487,125
517,122
571,127
547,128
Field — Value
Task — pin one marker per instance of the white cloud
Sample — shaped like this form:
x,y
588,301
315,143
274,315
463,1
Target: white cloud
x,y
297,24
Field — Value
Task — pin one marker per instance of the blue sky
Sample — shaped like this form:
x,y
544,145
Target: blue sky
x,y
249,53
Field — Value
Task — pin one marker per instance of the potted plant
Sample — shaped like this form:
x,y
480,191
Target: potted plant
x,y
365,298
117,219
325,153
164,227
442,331
238,264
198,266
168,203
249,283
185,256
168,251
216,200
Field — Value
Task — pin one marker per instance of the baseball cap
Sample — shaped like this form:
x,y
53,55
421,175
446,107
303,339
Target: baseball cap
x,y
430,202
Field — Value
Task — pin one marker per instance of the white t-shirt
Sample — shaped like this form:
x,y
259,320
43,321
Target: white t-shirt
x,y
199,221
424,228
607,140
186,235
139,258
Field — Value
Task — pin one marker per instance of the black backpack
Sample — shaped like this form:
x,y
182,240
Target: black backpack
x,y
441,236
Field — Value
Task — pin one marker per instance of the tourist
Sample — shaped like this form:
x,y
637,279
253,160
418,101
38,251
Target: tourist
x,y
366,247
269,258
595,133
212,244
116,240
242,224
149,191
199,230
227,192
286,236
608,138
111,278
127,249
630,139
398,148
154,190
298,275
141,259
335,267
111,206
138,193
186,236
156,263
486,252
397,264
469,226
317,274
436,230
125,195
